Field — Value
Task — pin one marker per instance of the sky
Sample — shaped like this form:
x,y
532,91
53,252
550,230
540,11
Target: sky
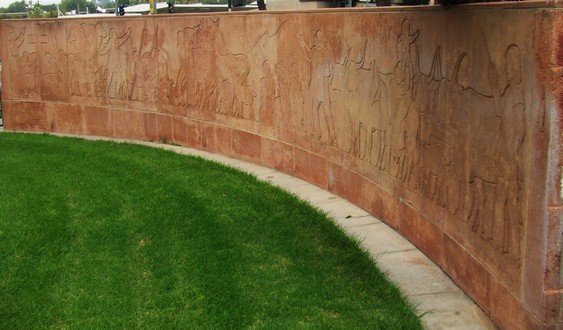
x,y
6,3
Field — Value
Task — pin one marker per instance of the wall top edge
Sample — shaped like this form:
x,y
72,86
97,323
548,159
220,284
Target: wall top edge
x,y
509,4
482,6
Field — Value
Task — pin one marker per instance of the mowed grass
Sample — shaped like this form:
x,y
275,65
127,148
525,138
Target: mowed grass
x,y
101,235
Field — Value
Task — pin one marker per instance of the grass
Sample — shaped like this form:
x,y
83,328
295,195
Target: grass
x,y
100,235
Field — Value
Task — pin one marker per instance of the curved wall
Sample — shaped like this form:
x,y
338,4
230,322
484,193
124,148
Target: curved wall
x,y
444,124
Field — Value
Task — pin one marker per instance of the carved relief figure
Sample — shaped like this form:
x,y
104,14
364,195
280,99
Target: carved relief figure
x,y
235,88
269,94
53,81
510,107
435,139
116,58
404,125
292,97
143,76
23,50
456,152
81,46
205,82
235,96
496,176
318,86
193,42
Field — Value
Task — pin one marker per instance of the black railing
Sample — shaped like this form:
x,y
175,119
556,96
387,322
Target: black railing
x,y
345,3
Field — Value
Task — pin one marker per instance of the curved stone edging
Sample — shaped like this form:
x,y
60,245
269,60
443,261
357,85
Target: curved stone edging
x,y
442,304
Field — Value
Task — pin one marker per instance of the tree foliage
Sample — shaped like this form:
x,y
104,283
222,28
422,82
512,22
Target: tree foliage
x,y
50,7
17,7
35,11
78,5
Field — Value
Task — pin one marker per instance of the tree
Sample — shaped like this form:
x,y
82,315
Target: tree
x,y
78,5
50,11
35,11
50,7
17,7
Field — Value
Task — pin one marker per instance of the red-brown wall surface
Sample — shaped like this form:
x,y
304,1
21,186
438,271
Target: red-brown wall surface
x,y
446,124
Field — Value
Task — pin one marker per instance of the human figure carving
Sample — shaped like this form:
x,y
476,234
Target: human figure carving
x,y
319,87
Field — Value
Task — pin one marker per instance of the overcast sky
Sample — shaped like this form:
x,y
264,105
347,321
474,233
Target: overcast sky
x,y
6,3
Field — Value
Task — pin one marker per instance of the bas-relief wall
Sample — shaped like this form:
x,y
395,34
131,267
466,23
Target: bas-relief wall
x,y
443,112
415,111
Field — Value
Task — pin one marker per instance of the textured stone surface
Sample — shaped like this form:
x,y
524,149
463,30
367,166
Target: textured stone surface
x,y
445,124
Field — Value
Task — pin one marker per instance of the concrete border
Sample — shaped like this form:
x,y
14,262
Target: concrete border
x,y
442,304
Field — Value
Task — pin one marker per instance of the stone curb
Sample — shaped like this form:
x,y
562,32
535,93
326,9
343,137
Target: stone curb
x,y
442,304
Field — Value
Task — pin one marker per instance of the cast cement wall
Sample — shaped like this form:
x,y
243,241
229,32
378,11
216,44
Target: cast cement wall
x,y
444,124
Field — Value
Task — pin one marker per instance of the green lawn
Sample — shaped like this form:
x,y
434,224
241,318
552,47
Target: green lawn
x,y
100,235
